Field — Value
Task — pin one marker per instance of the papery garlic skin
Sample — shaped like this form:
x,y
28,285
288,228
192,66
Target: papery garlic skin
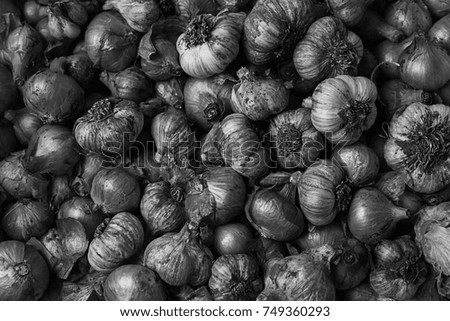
x,y
274,27
210,43
179,259
418,145
343,108
140,15
257,97
115,241
399,269
432,236
328,50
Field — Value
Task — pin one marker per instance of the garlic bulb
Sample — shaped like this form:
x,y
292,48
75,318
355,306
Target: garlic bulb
x,y
140,15
360,163
399,269
432,236
257,97
343,108
241,147
162,205
116,240
302,277
324,190
130,84
179,258
159,56
173,135
235,278
418,145
226,191
328,50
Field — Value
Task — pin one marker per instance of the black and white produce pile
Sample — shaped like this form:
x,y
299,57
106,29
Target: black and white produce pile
x,y
225,150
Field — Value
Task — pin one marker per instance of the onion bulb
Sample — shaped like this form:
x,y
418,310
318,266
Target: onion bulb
x,y
350,266
8,140
317,236
362,292
25,124
424,64
359,162
132,282
42,28
26,218
170,91
78,65
159,55
60,191
392,184
25,275
409,16
228,194
66,19
208,100
114,190
396,95
53,96
83,210
62,245
25,47
52,150
372,217
140,15
388,54
131,84
34,12
85,171
440,32
232,238
274,216
20,183
110,42
351,12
